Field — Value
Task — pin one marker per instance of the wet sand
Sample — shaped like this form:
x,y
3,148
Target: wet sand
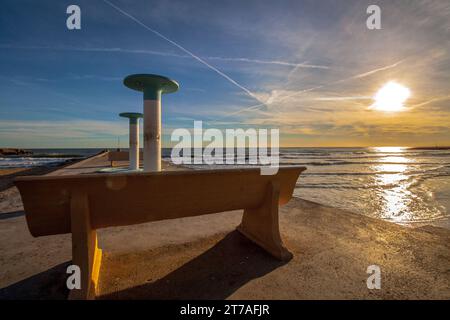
x,y
205,258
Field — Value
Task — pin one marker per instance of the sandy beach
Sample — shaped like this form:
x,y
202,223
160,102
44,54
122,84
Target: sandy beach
x,y
205,258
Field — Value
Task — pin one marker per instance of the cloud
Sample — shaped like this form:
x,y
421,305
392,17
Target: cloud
x,y
371,72
427,102
274,62
275,95
166,54
67,129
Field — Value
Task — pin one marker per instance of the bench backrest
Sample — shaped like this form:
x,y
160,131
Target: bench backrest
x,y
126,199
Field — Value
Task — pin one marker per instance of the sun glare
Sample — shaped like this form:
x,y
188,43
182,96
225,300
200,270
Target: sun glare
x,y
391,97
389,149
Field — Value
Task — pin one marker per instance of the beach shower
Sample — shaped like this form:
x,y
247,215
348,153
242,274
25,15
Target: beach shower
x,y
152,86
134,138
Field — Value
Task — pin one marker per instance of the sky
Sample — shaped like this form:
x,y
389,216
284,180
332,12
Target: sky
x,y
308,68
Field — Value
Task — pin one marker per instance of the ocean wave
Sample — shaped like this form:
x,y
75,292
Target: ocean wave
x,y
329,186
378,156
29,162
343,162
443,170
369,182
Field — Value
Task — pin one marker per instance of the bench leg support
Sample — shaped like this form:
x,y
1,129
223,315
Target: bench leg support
x,y
261,225
85,252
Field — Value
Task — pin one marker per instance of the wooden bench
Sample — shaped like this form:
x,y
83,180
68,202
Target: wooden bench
x,y
83,203
114,156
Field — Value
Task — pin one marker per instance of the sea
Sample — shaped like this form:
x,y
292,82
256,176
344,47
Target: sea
x,y
403,185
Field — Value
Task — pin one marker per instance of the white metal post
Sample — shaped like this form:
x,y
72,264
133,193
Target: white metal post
x,y
134,144
152,135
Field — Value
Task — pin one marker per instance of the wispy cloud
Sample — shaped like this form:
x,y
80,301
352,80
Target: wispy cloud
x,y
94,77
274,62
342,98
371,72
424,103
165,54
276,97
77,128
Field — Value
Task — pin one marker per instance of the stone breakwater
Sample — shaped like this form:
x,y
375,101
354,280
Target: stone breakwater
x,y
13,152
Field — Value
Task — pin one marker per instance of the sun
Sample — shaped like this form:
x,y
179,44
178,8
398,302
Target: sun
x,y
391,97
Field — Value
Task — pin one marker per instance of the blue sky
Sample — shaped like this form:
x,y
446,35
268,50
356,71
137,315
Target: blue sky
x,y
309,68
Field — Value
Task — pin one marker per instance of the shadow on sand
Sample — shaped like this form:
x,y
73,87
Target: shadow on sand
x,y
12,214
47,285
214,274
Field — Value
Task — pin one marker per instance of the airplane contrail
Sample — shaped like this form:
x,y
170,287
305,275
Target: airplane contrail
x,y
432,100
183,49
365,74
276,62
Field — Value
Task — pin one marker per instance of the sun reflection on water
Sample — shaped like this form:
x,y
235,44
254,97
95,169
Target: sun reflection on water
x,y
389,149
394,159
392,185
